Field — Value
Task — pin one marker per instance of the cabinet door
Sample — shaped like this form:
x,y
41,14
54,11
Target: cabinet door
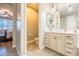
x,y
53,43
60,45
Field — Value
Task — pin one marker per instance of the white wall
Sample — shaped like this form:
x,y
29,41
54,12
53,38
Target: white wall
x,y
21,32
78,28
18,34
14,24
43,8
23,29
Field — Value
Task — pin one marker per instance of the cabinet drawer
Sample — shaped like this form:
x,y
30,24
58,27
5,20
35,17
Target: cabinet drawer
x,y
70,36
69,52
69,43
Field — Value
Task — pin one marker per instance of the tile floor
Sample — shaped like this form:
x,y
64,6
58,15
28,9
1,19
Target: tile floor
x,y
34,51
44,52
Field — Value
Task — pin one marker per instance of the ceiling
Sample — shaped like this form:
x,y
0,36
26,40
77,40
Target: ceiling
x,y
64,10
9,7
6,6
6,10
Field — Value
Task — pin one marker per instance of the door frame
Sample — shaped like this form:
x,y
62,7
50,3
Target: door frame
x,y
24,36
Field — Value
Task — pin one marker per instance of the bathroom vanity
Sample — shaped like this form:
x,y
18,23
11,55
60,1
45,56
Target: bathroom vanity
x,y
61,32
64,43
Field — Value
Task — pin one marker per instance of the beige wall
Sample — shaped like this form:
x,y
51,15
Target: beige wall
x,y
32,23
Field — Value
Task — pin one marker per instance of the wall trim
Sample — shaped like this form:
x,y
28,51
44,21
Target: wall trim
x,y
18,52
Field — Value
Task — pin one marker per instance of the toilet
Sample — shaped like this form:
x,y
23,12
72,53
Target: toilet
x,y
36,41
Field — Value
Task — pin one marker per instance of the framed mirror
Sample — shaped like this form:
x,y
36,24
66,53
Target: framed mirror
x,y
50,22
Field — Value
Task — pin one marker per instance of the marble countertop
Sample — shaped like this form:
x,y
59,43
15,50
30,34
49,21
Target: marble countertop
x,y
65,32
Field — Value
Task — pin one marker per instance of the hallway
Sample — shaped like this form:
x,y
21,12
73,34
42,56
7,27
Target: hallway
x,y
4,51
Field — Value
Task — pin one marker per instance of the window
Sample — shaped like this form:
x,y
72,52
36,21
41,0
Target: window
x,y
6,24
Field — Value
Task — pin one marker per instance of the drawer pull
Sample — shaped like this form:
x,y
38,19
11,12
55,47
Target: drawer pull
x,y
69,43
54,38
68,52
68,36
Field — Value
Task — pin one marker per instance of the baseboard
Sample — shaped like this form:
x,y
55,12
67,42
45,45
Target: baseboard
x,y
18,52
41,47
23,55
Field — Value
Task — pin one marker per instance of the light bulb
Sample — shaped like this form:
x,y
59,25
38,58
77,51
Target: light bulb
x,y
52,9
57,12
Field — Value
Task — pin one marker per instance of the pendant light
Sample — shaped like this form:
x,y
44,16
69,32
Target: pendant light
x,y
52,8
57,9
70,7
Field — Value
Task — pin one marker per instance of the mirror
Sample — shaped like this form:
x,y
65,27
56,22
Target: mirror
x,y
64,18
63,23
69,18
49,22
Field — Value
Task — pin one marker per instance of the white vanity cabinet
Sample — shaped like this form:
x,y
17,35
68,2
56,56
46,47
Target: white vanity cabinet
x,y
63,43
50,41
55,42
70,43
60,44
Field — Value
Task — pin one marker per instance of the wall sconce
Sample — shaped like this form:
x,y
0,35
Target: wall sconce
x,y
69,7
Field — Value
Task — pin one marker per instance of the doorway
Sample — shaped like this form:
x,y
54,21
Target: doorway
x,y
6,25
32,26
